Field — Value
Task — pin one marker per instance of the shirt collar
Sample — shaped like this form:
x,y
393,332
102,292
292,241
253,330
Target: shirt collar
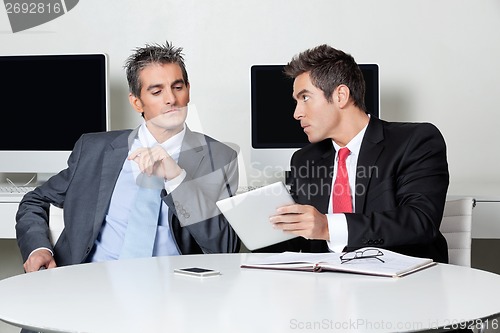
x,y
355,144
172,145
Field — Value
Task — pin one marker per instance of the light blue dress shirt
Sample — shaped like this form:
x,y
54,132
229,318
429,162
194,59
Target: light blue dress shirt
x,y
110,240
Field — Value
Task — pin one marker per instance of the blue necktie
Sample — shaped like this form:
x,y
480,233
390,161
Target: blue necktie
x,y
143,221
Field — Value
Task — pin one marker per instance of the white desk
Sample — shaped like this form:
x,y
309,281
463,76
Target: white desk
x,y
8,209
146,296
9,204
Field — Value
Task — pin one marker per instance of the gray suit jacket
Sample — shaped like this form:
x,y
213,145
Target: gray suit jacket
x,y
85,188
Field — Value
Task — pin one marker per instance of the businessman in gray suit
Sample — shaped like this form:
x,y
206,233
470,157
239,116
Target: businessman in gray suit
x,y
397,173
97,190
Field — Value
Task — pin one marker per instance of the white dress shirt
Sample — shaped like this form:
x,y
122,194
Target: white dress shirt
x,y
337,223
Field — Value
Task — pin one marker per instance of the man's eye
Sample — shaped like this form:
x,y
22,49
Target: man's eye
x,y
178,87
305,98
156,92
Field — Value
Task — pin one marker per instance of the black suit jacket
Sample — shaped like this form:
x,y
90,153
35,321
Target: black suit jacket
x,y
85,188
401,185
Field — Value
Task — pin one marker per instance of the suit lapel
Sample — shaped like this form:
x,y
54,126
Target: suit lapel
x,y
192,152
322,183
368,155
113,159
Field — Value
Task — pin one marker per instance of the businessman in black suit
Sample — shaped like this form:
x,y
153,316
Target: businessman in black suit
x,y
98,189
397,172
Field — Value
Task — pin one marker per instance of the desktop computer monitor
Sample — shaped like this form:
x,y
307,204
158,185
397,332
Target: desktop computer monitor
x,y
49,102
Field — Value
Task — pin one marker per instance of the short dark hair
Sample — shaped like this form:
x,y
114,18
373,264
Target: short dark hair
x,y
329,68
152,54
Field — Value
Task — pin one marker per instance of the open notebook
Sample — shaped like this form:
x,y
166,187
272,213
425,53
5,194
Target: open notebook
x,y
384,263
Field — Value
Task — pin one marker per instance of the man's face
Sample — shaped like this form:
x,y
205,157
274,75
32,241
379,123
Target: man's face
x,y
164,97
318,117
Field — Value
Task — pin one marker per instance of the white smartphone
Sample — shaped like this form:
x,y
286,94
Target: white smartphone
x,y
196,271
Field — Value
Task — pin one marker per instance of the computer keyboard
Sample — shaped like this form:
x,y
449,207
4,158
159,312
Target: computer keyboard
x,y
8,190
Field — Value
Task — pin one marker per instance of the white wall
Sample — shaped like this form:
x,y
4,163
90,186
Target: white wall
x,y
439,60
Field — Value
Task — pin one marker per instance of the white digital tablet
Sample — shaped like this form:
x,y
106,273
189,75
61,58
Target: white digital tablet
x,y
248,213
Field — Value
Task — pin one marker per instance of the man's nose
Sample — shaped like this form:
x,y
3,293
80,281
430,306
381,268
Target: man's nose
x,y
169,97
298,113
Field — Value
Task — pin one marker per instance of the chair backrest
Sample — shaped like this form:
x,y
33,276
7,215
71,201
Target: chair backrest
x,y
56,223
456,227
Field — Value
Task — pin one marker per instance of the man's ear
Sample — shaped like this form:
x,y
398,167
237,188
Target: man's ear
x,y
342,96
135,102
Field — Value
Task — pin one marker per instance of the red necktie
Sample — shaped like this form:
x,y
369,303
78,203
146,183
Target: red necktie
x,y
341,195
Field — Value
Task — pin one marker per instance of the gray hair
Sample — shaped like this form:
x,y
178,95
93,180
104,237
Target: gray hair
x,y
152,54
